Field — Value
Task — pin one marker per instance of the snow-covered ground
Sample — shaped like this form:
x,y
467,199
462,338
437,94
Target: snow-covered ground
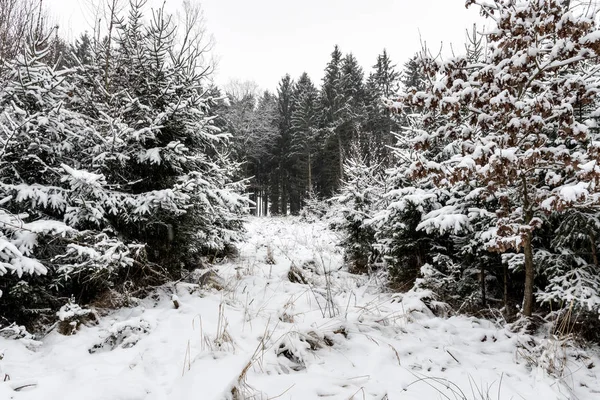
x,y
337,336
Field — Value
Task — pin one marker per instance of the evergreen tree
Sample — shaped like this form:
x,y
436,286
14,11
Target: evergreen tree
x,y
380,126
359,199
516,136
411,77
253,125
155,115
265,145
281,177
110,170
353,111
304,132
329,168
54,212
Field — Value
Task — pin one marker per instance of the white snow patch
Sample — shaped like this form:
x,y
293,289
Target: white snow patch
x,y
337,337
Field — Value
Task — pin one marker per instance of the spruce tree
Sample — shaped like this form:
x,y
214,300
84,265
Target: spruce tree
x,y
359,200
382,83
285,104
54,211
331,102
110,170
304,132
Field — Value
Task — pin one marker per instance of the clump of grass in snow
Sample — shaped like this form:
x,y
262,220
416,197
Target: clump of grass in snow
x,y
451,391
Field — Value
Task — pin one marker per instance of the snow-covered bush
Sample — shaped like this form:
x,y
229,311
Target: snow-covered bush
x,y
123,334
569,254
359,199
111,170
71,316
315,208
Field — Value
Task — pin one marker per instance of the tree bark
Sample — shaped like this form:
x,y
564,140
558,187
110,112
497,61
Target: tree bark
x,y
528,253
529,276
341,155
284,191
483,299
309,174
592,237
506,309
252,196
274,193
265,200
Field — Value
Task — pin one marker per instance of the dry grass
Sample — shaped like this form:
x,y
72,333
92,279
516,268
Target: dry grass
x,y
452,391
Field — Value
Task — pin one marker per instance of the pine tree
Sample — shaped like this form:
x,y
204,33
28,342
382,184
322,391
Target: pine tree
x,y
267,134
331,102
304,131
110,170
252,124
353,111
382,83
411,77
285,104
358,202
54,216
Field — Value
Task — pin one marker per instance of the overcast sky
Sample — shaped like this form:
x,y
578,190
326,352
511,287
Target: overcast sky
x,y
262,40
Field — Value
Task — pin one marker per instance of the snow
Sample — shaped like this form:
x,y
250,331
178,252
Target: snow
x,y
48,226
590,38
445,219
337,337
575,192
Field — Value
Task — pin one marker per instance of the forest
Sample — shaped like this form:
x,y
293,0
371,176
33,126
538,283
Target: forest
x,y
472,178
475,174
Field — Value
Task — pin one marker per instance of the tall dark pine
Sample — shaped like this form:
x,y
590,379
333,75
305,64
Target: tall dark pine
x,y
353,100
382,83
251,122
280,177
265,144
330,165
304,129
411,77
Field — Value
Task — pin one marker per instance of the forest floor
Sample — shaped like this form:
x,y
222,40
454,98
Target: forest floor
x,y
252,333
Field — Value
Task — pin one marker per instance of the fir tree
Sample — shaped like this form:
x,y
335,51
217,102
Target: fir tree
x,y
380,126
304,130
285,104
110,170
331,103
359,199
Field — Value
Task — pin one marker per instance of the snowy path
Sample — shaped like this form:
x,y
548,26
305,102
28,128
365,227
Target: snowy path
x,y
336,337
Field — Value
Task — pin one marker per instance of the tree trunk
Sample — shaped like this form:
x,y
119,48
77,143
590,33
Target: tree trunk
x,y
341,155
258,201
284,192
528,253
506,309
309,174
265,200
529,276
253,198
592,237
274,192
483,299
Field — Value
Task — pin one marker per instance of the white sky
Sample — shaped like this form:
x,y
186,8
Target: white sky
x,y
262,40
